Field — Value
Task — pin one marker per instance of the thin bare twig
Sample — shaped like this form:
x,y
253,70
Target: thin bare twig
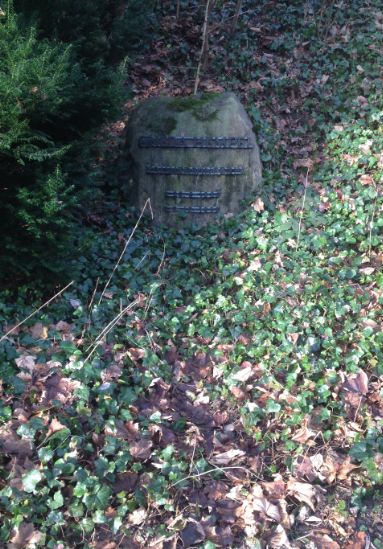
x,y
107,329
89,321
302,210
221,469
205,38
371,228
147,203
93,294
162,261
36,311
236,16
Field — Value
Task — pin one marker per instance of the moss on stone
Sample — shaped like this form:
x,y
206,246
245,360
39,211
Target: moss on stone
x,y
195,104
162,126
209,117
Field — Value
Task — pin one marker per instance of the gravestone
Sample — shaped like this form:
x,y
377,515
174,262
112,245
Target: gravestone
x,y
196,158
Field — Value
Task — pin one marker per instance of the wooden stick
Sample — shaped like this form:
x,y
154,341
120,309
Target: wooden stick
x,y
203,47
302,209
236,16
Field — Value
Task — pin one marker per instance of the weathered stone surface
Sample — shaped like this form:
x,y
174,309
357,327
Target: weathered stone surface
x,y
227,175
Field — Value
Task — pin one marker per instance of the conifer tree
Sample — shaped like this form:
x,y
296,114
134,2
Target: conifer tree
x,y
35,88
61,77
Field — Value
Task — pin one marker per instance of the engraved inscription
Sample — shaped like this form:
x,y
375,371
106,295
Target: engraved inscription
x,y
193,195
193,209
178,170
181,142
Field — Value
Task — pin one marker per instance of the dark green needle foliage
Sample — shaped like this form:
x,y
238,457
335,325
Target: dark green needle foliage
x,y
36,83
61,77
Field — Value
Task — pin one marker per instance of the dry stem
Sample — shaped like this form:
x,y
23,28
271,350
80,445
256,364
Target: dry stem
x,y
35,312
236,16
205,37
302,210
147,203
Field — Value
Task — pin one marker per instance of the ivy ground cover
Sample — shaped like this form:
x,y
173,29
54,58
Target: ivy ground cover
x,y
224,387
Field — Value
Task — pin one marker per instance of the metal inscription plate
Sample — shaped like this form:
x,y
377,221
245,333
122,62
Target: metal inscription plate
x,y
193,209
176,170
180,142
193,195
186,142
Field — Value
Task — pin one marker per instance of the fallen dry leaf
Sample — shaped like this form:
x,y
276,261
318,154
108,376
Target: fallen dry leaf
x,y
303,163
293,337
138,516
99,545
238,393
244,374
60,388
54,427
25,537
220,418
365,147
221,535
304,433
12,444
63,326
192,534
26,362
279,539
141,449
113,371
266,308
323,541
162,434
228,511
216,490
306,468
302,491
108,294
367,270
135,353
255,265
345,469
357,383
225,458
262,505
258,205
358,541
369,323
276,489
126,482
39,331
366,179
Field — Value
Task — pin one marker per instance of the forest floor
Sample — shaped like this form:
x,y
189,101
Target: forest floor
x,y
224,387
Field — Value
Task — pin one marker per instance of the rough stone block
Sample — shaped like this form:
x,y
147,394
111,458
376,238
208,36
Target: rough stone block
x,y
196,157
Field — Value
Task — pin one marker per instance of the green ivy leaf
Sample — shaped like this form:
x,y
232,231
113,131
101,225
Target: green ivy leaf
x,y
272,407
56,502
359,451
31,479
